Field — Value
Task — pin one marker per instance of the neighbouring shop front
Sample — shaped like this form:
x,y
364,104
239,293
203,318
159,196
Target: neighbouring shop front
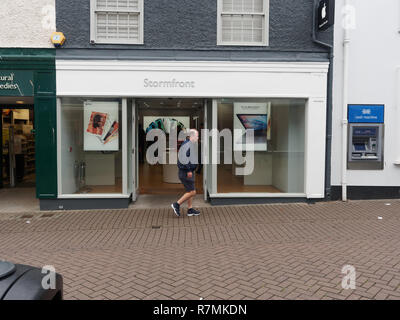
x,y
28,119
103,106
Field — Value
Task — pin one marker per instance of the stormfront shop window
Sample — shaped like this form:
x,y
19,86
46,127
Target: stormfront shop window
x,y
279,143
91,146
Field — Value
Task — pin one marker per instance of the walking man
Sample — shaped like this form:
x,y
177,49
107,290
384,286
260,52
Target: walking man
x,y
186,174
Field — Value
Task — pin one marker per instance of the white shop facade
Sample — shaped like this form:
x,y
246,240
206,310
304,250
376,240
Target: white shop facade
x,y
121,97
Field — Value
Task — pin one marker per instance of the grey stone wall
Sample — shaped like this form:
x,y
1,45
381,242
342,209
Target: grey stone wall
x,y
190,27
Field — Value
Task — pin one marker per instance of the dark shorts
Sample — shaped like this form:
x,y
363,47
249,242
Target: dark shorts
x,y
187,183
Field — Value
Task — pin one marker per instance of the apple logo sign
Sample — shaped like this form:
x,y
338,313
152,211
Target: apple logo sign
x,y
323,13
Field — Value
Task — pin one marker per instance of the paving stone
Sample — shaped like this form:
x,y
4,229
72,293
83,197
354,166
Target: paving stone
x,y
289,251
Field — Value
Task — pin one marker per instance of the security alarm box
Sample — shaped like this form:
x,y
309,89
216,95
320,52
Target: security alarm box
x,y
365,148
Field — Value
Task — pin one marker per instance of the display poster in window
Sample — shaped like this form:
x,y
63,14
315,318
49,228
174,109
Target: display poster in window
x,y
166,124
101,126
251,116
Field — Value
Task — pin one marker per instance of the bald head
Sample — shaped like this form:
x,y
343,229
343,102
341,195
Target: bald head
x,y
193,135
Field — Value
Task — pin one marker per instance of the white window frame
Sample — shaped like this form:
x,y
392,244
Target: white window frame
x,y
124,162
265,41
93,24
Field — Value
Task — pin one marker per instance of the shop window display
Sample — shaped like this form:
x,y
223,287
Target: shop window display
x,y
18,147
91,148
278,126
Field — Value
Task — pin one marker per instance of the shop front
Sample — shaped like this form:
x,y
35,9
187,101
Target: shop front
x,y
27,121
103,106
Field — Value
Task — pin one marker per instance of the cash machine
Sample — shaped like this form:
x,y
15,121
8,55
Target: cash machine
x,y
366,136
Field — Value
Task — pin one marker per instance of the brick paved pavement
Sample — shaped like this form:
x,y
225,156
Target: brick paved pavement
x,y
292,251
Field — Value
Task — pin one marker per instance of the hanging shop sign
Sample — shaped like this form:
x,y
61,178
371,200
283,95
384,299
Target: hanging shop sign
x,y
16,83
361,113
326,14
101,126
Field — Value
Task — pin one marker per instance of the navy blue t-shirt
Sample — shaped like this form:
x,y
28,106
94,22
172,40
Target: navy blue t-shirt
x,y
189,166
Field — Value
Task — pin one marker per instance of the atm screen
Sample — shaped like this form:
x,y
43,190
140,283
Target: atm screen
x,y
359,147
364,132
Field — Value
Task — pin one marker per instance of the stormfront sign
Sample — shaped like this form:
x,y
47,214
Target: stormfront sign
x,y
169,84
16,83
326,14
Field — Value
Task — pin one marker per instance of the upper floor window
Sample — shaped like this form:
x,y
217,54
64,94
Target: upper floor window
x,y
116,21
243,22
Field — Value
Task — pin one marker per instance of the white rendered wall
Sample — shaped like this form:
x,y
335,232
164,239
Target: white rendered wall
x,y
373,79
27,23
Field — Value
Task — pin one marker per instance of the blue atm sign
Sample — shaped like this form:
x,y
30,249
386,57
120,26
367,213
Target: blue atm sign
x,y
360,113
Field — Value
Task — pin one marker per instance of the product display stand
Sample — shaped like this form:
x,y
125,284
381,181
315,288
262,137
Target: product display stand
x,y
30,154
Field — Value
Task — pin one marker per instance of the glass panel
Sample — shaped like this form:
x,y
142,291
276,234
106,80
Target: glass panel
x,y
91,146
131,145
258,22
226,28
242,28
236,28
227,5
118,4
117,26
258,35
248,6
258,6
243,6
17,139
238,5
209,178
274,160
247,32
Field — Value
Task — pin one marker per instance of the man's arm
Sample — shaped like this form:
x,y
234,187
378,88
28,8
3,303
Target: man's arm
x,y
187,165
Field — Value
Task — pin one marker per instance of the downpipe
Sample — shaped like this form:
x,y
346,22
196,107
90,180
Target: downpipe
x,y
346,44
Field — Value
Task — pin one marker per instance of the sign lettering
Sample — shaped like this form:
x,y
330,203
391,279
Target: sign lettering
x,y
16,83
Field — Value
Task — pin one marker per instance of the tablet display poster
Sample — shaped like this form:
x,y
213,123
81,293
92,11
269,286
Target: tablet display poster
x,y
101,126
252,116
167,124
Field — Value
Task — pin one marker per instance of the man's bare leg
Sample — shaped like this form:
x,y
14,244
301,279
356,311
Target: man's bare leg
x,y
190,202
186,196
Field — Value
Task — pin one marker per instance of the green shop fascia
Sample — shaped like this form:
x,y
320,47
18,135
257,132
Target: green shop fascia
x,y
27,73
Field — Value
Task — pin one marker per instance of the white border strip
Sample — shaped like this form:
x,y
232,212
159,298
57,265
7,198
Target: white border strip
x,y
59,173
193,66
94,196
258,195
184,95
124,146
